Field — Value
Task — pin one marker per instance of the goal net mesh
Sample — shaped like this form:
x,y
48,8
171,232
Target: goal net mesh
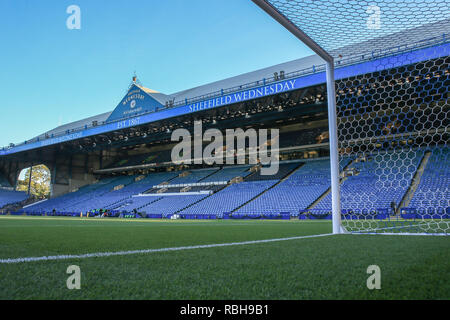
x,y
393,117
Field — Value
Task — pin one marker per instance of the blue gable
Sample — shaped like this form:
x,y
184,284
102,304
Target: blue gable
x,y
136,101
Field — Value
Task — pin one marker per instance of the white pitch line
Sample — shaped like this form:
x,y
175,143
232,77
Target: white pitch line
x,y
133,252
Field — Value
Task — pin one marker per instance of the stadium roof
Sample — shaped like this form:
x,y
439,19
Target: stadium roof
x,y
169,105
76,124
394,39
287,67
192,93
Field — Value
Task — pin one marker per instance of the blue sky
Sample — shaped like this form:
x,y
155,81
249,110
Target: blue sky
x,y
51,75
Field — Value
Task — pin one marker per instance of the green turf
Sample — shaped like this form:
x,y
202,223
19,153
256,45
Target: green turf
x,y
333,267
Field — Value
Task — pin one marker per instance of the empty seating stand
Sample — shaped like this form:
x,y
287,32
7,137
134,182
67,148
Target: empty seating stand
x,y
212,192
229,198
296,193
369,190
8,197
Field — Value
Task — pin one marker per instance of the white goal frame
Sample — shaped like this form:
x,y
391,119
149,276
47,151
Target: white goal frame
x,y
291,22
332,113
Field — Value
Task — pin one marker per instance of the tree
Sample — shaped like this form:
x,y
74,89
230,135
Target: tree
x,y
40,181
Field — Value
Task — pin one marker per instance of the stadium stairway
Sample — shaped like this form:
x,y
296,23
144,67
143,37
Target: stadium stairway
x,y
194,203
271,187
326,193
432,193
146,205
364,192
131,205
14,207
116,204
415,182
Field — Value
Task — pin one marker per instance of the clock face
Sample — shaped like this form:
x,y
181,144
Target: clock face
x,y
133,104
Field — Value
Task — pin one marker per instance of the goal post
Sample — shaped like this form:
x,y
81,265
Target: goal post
x,y
388,109
331,96
334,154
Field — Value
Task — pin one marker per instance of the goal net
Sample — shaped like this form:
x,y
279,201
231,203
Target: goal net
x,y
393,115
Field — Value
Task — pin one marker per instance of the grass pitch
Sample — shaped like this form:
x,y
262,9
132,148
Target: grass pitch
x,y
330,267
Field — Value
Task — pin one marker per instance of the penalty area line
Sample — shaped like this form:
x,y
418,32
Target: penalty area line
x,y
146,251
